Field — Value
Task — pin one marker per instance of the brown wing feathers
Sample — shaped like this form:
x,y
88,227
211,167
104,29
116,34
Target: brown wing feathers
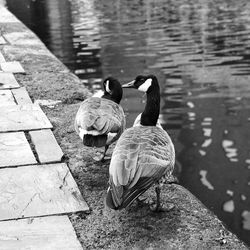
x,y
138,161
100,116
142,185
119,196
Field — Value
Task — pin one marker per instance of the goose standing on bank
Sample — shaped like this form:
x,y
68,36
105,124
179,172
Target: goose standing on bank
x,y
143,153
100,120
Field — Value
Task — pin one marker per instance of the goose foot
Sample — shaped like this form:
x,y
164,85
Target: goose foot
x,y
101,158
98,156
141,201
105,159
162,208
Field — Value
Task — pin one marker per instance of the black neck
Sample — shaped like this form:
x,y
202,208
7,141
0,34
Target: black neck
x,y
116,95
151,112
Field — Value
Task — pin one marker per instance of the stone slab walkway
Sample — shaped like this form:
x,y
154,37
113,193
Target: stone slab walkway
x,y
15,150
35,185
46,146
54,232
38,190
7,80
22,117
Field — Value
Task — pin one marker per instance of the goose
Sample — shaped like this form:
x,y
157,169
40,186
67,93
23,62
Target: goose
x,y
100,120
143,154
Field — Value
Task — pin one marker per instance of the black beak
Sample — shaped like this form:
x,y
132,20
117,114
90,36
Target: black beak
x,y
129,84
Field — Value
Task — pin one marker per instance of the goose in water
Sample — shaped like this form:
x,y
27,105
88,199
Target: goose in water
x,y
143,153
100,120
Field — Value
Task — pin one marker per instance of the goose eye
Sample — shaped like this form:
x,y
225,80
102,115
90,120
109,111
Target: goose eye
x,y
139,81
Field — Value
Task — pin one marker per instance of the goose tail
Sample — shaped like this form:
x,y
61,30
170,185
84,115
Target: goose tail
x,y
114,196
143,184
110,202
119,197
94,140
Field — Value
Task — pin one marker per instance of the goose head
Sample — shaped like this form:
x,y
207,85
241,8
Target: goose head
x,y
112,89
143,83
149,85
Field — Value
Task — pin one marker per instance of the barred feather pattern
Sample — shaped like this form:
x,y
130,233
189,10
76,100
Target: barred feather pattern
x,y
100,116
142,156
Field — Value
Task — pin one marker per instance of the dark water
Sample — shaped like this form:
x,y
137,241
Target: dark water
x,y
200,52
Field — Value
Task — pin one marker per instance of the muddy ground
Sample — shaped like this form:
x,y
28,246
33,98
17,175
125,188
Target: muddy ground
x,y
189,225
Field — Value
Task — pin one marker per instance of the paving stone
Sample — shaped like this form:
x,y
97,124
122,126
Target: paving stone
x,y
8,81
2,59
50,233
46,146
22,117
6,16
12,67
21,95
2,40
15,150
38,190
6,98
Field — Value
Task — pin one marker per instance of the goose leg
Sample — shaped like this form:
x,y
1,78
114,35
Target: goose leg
x,y
104,153
141,201
159,207
100,156
158,198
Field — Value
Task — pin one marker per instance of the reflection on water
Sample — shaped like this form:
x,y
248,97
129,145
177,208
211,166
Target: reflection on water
x,y
228,206
204,181
200,52
51,20
246,220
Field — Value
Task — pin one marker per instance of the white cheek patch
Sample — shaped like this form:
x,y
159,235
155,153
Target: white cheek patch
x,y
107,87
144,87
83,132
137,121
